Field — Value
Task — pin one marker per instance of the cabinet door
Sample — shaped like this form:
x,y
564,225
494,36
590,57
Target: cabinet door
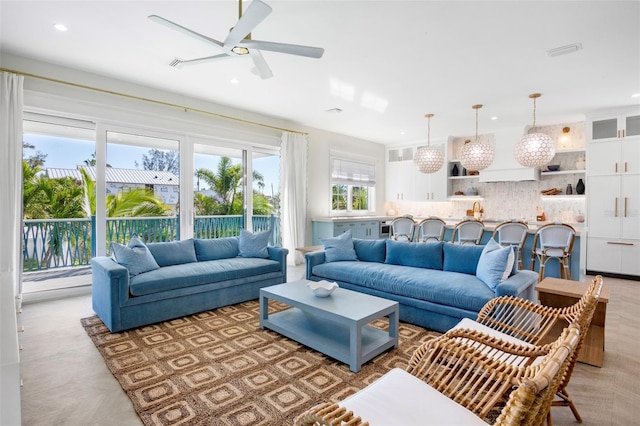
x,y
630,206
604,128
632,125
602,256
629,255
603,158
630,161
604,206
399,181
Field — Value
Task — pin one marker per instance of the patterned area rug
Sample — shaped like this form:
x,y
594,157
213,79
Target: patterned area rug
x,y
218,368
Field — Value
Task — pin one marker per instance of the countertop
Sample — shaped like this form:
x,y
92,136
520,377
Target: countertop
x,y
489,223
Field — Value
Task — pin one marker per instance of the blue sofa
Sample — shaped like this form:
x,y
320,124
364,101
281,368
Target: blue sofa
x,y
191,276
435,283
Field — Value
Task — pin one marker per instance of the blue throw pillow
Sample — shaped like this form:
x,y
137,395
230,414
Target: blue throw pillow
x,y
420,255
216,248
135,256
495,264
339,248
370,250
461,257
254,245
174,252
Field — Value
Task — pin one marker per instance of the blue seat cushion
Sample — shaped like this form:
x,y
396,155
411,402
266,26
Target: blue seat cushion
x,y
455,289
197,273
174,252
216,248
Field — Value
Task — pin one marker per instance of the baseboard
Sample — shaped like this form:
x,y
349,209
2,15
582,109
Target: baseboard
x,y
614,275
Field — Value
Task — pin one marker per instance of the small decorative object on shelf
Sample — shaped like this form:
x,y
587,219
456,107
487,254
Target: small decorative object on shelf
x,y
580,187
569,190
580,163
454,170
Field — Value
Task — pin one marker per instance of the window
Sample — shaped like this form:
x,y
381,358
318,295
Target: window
x,y
352,185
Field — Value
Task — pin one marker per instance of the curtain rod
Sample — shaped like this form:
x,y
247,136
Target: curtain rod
x,y
155,101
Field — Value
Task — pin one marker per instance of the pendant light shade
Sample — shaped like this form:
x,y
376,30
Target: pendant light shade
x,y
428,159
477,155
535,149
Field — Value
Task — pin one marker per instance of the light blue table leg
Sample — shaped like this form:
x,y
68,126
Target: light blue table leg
x,y
264,310
355,346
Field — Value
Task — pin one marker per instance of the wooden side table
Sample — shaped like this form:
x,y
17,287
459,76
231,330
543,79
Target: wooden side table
x,y
560,293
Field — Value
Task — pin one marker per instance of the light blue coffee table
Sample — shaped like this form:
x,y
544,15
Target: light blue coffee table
x,y
334,325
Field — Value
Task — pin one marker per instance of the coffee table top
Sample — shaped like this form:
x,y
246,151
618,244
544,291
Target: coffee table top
x,y
342,302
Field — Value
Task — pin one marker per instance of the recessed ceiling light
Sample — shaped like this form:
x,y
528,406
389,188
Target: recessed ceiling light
x,y
60,27
334,110
234,81
494,117
403,133
636,95
564,50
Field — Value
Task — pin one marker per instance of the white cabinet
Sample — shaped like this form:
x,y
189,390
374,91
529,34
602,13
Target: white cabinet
x,y
613,194
615,126
404,182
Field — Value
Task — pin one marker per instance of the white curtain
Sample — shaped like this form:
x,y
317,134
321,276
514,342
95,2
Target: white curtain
x,y
293,193
11,185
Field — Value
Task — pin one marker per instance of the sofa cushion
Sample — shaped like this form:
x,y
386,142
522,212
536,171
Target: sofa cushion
x,y
340,248
414,254
495,264
461,257
174,252
464,291
254,244
135,256
198,273
216,248
370,250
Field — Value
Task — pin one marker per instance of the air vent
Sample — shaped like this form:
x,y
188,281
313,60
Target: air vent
x,y
564,50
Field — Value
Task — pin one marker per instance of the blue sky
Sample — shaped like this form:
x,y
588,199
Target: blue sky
x,y
69,153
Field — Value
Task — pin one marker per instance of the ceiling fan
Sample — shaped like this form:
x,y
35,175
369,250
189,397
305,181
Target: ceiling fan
x,y
239,43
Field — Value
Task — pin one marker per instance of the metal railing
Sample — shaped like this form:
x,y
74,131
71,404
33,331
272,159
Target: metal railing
x,y
58,243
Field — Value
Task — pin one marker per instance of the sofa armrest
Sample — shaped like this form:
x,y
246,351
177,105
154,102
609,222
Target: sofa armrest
x,y
110,290
279,254
520,284
314,258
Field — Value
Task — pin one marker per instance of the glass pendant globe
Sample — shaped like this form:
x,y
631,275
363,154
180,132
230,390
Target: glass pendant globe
x,y
477,155
428,159
535,150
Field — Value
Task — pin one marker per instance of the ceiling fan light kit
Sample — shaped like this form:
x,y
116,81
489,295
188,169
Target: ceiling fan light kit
x,y
428,159
535,149
477,155
238,42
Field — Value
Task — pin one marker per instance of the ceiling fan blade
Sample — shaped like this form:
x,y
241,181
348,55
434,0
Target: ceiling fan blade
x,y
184,30
291,49
178,63
261,65
255,13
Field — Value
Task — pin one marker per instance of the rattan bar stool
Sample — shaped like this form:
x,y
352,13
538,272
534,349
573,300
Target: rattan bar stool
x,y
553,241
512,233
402,228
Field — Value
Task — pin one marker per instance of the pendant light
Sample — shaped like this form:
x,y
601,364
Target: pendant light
x,y
477,155
428,159
535,149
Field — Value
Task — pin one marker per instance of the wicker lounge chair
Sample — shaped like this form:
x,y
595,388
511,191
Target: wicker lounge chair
x,y
527,322
449,378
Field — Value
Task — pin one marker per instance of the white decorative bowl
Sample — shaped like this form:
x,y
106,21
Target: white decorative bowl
x,y
322,288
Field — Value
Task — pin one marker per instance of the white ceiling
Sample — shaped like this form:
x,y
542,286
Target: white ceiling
x,y
386,63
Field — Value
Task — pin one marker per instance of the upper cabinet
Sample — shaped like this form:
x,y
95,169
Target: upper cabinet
x,y
403,181
615,126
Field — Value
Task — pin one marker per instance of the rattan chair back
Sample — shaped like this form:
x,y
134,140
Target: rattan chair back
x,y
431,229
468,231
402,228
